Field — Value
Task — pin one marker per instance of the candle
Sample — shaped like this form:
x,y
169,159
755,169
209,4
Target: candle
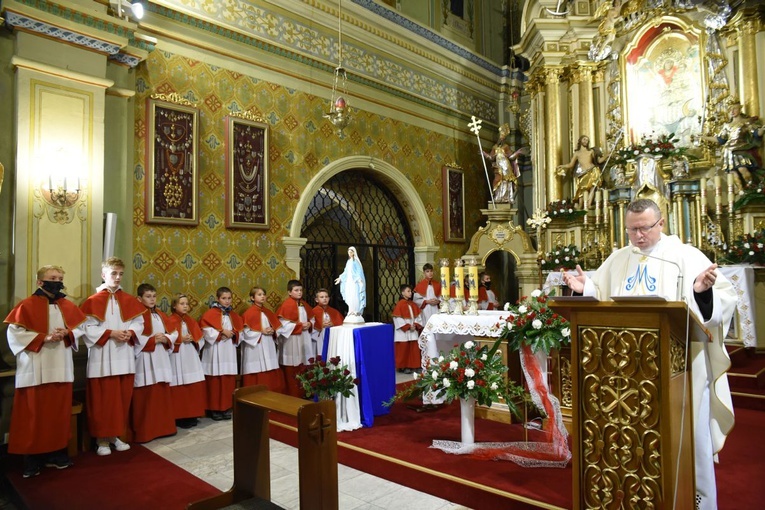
x,y
459,278
473,279
445,279
605,206
50,182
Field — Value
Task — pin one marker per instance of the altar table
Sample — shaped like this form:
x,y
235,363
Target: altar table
x,y
368,351
443,331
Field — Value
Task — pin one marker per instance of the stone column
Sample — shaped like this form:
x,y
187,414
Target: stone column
x,y
581,80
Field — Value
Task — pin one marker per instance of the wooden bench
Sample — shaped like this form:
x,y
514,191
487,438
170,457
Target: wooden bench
x,y
317,451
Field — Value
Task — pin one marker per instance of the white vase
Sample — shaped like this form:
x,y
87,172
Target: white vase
x,y
467,420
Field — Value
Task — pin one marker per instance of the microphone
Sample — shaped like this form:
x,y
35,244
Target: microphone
x,y
680,293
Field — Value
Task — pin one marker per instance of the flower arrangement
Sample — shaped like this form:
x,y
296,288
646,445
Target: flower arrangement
x,y
747,249
562,257
325,379
564,209
534,324
662,145
468,370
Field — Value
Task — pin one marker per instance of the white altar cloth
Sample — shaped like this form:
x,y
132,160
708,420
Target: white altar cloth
x,y
341,344
444,330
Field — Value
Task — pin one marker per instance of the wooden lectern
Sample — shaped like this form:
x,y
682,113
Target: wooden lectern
x,y
632,403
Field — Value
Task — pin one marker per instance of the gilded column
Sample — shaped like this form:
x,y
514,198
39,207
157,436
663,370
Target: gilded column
x,y
747,30
581,75
553,132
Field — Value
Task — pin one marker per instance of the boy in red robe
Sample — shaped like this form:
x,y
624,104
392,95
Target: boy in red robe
x,y
324,316
151,413
407,324
294,336
115,319
221,327
427,293
188,388
42,332
260,362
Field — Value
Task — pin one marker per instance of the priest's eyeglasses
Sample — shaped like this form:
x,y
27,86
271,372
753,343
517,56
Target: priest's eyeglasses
x,y
642,230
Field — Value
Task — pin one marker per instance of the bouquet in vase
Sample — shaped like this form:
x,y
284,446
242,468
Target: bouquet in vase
x,y
325,379
533,323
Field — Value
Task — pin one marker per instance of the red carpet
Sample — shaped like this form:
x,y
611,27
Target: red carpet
x,y
397,449
135,479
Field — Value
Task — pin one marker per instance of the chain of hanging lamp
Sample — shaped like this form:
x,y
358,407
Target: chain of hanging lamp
x,y
339,110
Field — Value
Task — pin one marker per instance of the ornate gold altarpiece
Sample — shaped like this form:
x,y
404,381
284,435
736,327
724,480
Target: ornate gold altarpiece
x,y
632,404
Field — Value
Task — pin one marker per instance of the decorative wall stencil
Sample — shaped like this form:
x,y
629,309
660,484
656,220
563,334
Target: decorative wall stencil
x,y
172,176
247,173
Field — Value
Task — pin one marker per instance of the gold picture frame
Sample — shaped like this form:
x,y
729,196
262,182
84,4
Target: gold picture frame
x,y
172,176
453,179
247,179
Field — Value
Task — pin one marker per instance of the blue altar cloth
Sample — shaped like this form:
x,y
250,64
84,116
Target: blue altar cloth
x,y
375,367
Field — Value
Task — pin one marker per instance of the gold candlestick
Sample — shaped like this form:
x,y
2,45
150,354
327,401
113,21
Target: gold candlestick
x,y
445,281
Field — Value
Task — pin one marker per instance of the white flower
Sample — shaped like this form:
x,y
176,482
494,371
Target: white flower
x,y
493,386
565,250
507,307
543,263
751,253
454,365
469,372
565,332
570,210
470,384
522,309
536,324
440,359
557,261
484,357
536,293
434,373
636,152
498,353
746,245
759,245
469,344
567,258
646,150
446,382
415,375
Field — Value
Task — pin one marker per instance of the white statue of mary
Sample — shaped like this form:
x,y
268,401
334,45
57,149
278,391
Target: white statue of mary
x,y
353,287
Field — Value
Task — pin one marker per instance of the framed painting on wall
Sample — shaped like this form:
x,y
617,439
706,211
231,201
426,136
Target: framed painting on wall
x,y
453,180
172,177
247,173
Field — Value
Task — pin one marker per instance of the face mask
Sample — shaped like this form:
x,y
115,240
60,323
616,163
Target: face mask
x,y
52,287
487,285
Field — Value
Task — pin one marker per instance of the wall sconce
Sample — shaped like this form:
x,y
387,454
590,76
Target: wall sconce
x,y
126,8
61,194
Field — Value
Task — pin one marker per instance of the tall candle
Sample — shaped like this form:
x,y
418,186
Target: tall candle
x,y
445,279
605,206
459,278
473,279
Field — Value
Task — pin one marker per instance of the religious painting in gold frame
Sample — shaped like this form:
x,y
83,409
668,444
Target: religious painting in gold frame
x,y
172,174
453,182
247,174
664,82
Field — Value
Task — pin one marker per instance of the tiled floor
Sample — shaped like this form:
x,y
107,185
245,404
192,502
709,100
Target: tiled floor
x,y
206,451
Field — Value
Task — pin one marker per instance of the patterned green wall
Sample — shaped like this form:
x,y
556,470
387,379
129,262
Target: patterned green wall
x,y
197,260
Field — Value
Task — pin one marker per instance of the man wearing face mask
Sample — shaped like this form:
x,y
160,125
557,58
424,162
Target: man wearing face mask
x,y
43,329
487,300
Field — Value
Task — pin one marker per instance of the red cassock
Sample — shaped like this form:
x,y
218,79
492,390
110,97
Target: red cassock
x,y
273,379
408,353
334,315
108,398
189,400
40,419
220,387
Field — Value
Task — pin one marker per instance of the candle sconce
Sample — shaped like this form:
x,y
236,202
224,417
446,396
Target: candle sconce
x,y
60,194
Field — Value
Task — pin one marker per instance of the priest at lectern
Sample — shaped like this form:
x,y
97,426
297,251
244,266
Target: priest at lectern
x,y
661,265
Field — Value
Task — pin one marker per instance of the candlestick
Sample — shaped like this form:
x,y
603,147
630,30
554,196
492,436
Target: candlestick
x,y
459,278
473,278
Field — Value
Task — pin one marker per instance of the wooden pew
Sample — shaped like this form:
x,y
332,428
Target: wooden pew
x,y
317,451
